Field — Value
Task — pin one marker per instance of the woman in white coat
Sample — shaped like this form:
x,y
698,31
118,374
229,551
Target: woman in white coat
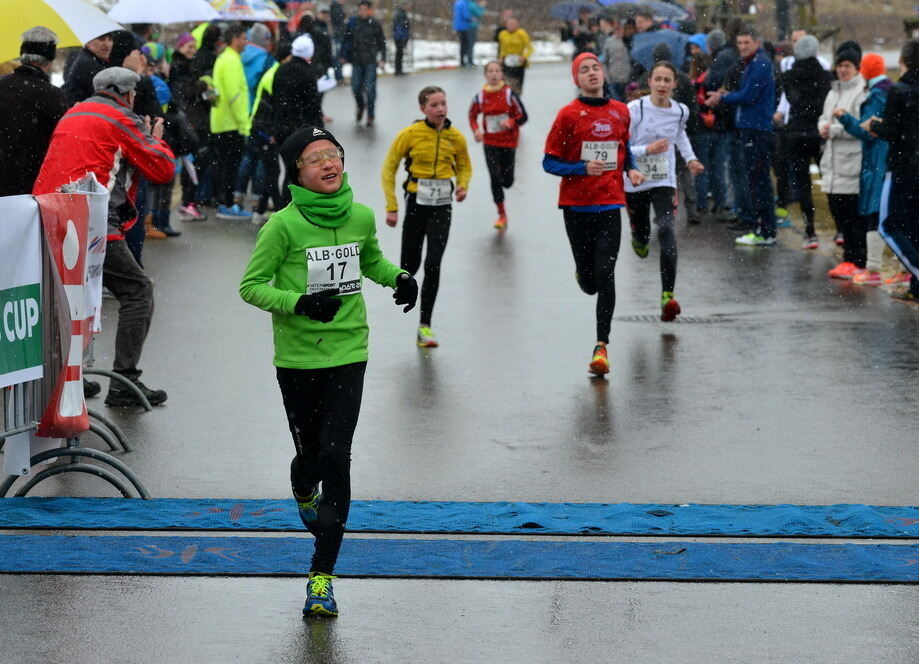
x,y
841,163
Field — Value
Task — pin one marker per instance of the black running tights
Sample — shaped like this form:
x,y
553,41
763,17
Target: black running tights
x,y
594,239
663,200
500,163
322,409
852,225
431,222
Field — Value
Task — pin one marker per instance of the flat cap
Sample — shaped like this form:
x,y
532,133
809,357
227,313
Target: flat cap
x,y
119,79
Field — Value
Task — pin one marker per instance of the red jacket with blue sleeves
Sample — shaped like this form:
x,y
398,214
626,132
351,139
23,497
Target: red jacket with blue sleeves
x,y
579,128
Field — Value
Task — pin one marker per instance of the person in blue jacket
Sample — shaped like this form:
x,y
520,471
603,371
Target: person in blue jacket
x,y
755,102
874,161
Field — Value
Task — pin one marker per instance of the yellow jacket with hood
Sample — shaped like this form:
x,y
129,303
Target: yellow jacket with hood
x,y
428,153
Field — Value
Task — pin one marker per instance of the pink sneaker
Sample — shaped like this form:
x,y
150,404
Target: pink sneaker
x,y
867,278
844,270
191,212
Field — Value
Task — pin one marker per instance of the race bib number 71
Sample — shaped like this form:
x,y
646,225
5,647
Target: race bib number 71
x,y
337,267
605,151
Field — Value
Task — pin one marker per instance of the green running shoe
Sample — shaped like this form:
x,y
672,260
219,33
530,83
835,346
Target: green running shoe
x,y
309,506
320,601
426,338
641,250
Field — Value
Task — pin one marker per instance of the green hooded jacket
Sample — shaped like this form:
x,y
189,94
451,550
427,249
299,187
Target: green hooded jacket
x,y
317,242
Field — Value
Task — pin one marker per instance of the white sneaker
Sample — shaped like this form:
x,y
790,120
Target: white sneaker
x,y
259,219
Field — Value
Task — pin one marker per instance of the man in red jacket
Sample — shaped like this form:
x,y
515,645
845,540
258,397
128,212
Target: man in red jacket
x,y
104,136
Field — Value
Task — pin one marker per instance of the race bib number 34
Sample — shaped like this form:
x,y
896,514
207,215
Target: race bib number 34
x,y
654,166
605,151
337,267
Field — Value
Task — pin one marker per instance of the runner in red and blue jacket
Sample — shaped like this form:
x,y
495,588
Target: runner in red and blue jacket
x,y
588,146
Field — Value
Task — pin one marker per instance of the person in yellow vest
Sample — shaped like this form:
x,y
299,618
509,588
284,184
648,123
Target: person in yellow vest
x,y
514,51
230,122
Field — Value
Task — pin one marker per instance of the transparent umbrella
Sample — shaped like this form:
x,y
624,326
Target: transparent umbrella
x,y
162,11
75,22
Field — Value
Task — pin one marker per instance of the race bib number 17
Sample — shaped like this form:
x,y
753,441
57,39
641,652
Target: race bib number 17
x,y
605,151
337,267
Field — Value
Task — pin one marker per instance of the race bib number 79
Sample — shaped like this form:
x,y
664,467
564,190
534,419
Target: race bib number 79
x,y
337,267
605,151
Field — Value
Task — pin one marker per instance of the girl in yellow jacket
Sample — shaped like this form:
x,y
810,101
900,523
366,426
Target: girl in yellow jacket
x,y
434,153
514,51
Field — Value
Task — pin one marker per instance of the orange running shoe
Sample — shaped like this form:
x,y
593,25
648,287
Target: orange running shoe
x,y
670,308
898,278
844,270
599,365
501,223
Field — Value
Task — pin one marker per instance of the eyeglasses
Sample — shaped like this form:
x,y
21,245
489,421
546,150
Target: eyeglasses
x,y
319,156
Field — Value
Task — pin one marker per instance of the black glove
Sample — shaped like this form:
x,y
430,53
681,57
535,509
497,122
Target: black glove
x,y
406,291
321,306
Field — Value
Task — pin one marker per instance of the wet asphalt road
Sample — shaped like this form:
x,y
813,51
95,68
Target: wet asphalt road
x,y
782,387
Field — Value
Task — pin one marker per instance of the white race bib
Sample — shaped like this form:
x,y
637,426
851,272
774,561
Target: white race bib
x,y
605,151
654,167
337,267
434,192
494,124
513,60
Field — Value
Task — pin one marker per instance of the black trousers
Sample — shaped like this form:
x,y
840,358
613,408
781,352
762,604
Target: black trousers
x,y
801,151
514,77
500,162
664,201
322,408
431,222
400,54
852,225
134,291
780,166
228,151
594,239
268,156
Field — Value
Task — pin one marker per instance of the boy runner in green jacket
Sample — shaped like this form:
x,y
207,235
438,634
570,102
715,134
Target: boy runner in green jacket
x,y
307,269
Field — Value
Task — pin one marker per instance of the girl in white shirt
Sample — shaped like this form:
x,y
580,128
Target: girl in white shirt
x,y
657,125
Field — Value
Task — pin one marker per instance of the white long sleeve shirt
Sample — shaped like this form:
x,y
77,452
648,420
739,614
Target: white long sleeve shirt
x,y
648,124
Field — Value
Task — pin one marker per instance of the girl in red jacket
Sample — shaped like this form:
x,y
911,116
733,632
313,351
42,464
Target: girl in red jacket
x,y
503,113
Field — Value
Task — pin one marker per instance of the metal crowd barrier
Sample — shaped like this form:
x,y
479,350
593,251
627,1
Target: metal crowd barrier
x,y
22,406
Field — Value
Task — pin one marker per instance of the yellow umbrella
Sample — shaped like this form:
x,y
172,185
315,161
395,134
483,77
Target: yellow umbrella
x,y
75,22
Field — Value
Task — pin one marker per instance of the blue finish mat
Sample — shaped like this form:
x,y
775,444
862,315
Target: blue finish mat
x,y
841,521
439,558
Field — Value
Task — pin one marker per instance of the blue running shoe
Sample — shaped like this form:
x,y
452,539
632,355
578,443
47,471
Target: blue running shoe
x,y
309,506
319,598
232,212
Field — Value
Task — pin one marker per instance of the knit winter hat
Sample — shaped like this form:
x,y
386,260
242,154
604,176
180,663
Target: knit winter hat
x,y
303,47
715,40
115,79
806,47
259,35
849,55
576,63
183,39
872,65
296,143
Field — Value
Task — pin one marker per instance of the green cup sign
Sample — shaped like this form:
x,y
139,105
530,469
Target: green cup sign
x,y
20,328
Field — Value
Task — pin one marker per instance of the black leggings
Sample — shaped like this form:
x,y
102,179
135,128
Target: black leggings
x,y
433,222
639,204
594,239
322,409
500,163
852,225
801,150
